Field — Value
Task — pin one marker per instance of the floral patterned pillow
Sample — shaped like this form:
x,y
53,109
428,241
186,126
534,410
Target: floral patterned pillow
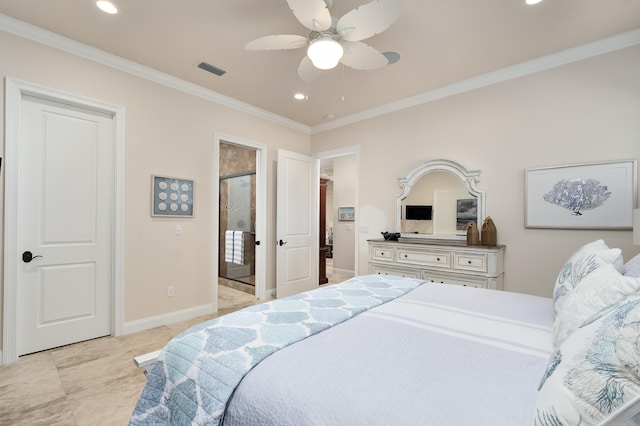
x,y
603,287
596,371
581,263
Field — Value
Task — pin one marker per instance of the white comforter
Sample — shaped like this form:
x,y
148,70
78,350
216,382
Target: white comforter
x,y
439,355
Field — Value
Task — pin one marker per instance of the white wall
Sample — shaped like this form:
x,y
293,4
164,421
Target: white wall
x,y
168,132
581,112
329,210
344,195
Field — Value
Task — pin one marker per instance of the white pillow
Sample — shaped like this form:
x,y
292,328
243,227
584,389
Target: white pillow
x,y
595,372
601,288
632,267
581,263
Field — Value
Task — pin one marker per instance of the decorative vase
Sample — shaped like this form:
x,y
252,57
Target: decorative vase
x,y
473,236
489,233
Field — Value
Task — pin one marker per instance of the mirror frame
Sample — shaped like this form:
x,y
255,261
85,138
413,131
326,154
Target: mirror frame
x,y
468,177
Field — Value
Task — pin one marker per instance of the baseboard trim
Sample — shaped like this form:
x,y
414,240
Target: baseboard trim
x,y
342,271
168,318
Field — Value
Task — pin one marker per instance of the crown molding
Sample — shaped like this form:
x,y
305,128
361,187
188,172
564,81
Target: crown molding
x,y
606,45
42,36
39,35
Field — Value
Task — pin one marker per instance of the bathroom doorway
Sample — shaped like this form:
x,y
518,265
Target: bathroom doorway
x,y
237,217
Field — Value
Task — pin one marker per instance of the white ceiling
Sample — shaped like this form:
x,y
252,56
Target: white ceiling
x,y
441,42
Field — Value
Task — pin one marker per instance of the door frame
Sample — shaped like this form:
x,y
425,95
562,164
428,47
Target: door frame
x,y
261,212
341,152
14,91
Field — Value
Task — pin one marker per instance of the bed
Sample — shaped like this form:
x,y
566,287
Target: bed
x,y
382,350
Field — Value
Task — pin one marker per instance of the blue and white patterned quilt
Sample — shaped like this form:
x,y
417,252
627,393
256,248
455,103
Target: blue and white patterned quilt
x,y
197,372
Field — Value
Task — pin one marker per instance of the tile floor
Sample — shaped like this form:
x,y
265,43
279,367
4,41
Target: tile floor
x,y
93,382
89,383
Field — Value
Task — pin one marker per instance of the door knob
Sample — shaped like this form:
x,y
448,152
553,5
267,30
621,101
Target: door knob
x,y
27,256
281,243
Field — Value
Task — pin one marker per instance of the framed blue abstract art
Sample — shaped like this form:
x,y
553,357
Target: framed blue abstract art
x,y
171,197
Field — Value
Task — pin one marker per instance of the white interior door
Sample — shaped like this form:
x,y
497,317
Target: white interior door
x,y
65,203
297,195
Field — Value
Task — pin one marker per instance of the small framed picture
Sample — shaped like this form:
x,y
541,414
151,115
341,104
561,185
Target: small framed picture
x,y
581,196
171,197
346,213
467,211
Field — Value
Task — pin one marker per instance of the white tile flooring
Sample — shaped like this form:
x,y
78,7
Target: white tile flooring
x,y
93,382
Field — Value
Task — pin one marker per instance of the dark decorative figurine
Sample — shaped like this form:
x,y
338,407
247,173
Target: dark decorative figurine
x,y
391,236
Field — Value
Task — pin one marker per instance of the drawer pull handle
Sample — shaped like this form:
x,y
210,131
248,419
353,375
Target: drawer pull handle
x,y
405,256
469,262
438,259
381,253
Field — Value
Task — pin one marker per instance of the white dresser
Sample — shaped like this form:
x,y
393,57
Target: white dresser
x,y
439,261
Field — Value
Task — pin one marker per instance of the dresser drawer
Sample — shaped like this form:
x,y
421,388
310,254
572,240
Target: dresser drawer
x,y
424,258
456,280
400,272
470,262
381,253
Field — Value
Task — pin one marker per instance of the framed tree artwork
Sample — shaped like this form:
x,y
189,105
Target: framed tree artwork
x,y
581,196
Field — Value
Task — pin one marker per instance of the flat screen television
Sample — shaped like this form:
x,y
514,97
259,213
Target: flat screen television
x,y
418,212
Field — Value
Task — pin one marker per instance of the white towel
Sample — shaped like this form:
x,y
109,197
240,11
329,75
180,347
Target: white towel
x,y
238,247
228,246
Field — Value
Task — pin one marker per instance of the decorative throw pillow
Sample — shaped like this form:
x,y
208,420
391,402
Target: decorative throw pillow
x,y
632,267
603,287
581,263
595,372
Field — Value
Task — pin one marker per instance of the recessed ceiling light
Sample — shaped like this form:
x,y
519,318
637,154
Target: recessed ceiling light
x,y
107,6
300,96
530,2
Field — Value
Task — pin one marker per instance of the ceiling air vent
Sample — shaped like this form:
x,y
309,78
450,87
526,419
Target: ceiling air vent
x,y
208,67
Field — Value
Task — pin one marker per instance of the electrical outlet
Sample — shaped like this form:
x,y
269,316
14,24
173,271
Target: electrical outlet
x,y
171,291
178,229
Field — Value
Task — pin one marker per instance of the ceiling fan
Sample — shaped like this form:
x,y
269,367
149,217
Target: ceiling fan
x,y
334,40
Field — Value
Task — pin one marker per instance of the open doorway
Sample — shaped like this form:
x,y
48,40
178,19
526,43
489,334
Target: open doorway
x,y
340,168
241,217
237,217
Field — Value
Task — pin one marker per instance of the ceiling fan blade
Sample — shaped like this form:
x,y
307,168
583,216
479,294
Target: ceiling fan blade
x,y
360,56
277,42
369,19
313,14
307,72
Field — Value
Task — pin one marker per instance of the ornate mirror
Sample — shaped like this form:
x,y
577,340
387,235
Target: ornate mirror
x,y
439,197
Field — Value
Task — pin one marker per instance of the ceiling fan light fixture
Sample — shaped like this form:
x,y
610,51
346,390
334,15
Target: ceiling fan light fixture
x,y
107,7
325,53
